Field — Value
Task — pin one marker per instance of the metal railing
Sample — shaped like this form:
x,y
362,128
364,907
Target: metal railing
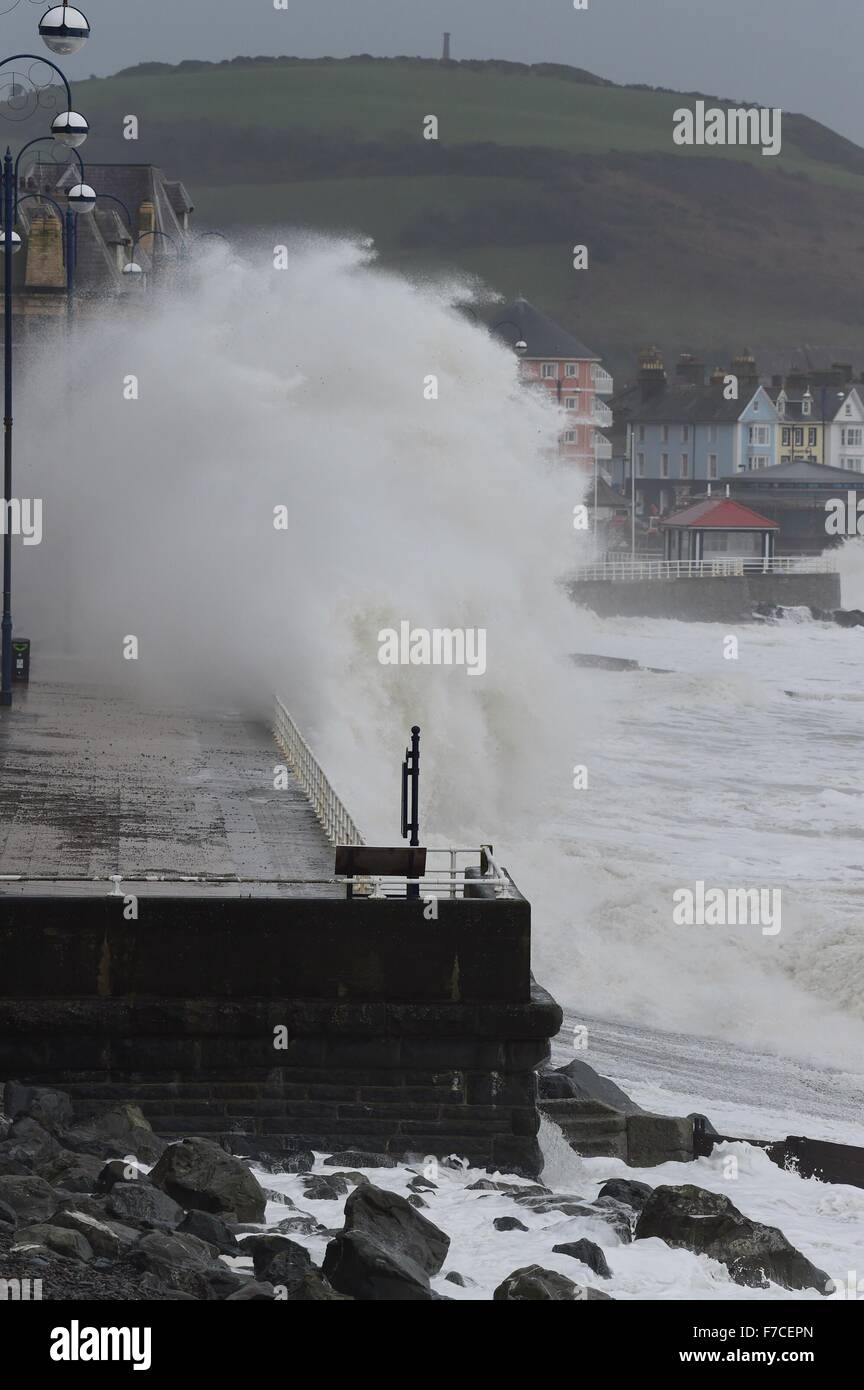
x,y
625,569
447,879
601,414
330,811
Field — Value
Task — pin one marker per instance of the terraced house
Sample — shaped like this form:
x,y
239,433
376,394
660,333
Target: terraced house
x,y
685,434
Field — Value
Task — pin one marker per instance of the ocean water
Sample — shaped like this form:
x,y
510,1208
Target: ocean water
x,y
305,389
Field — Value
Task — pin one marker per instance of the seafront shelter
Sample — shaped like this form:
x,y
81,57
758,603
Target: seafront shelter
x,y
719,529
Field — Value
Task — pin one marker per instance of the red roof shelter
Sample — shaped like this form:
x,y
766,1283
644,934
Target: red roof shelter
x,y
718,528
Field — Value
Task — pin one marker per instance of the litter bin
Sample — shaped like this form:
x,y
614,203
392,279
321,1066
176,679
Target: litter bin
x,y
21,660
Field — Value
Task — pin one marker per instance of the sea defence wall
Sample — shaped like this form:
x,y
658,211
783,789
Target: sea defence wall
x,y
726,598
279,1023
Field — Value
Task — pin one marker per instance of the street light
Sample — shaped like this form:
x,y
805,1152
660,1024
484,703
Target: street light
x,y
82,197
70,127
64,29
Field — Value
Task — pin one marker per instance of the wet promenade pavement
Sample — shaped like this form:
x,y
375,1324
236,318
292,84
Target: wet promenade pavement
x,y
94,785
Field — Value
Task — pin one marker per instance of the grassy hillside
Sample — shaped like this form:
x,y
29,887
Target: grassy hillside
x,y
710,248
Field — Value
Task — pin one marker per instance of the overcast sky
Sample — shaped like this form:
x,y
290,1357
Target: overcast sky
x,y
795,54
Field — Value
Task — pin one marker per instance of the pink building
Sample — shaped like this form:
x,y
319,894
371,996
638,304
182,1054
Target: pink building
x,y
558,363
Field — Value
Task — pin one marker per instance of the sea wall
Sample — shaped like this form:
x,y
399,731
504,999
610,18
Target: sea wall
x,y
275,1024
726,598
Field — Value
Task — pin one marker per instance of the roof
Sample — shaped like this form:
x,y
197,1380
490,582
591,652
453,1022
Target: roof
x,y
801,471
686,403
545,338
720,513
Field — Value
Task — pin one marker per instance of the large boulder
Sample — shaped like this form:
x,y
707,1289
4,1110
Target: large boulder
x,y
119,1132
533,1284
73,1172
588,1254
109,1239
707,1223
203,1177
626,1191
211,1229
142,1204
29,1196
276,1259
588,1084
72,1245
386,1251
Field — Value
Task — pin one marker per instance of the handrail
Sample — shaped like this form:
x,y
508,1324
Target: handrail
x,y
329,810
626,569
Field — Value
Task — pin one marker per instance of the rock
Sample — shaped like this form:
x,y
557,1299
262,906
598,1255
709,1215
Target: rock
x,y
204,1177
122,1130
357,1158
72,1245
141,1204
323,1188
73,1172
416,1201
211,1229
301,1161
276,1253
356,1178
300,1225
627,1192
110,1240
91,1206
27,1136
849,617
460,1280
314,1288
590,1085
161,1254
589,1254
7,1215
691,1218
551,1085
52,1109
482,1185
422,1185
29,1196
537,1285
252,1292
117,1170
280,1198
387,1250
508,1223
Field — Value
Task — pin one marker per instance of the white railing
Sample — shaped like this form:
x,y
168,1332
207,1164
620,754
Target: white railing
x,y
602,415
602,447
444,877
602,380
332,815
705,569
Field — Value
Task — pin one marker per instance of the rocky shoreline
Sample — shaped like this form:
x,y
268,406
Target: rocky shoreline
x,y
106,1210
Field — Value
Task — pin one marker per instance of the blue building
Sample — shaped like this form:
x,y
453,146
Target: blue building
x,y
680,436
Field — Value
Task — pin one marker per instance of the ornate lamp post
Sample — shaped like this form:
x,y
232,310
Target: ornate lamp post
x,y
64,29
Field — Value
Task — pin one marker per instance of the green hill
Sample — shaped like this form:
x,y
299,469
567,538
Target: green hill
x,y
706,247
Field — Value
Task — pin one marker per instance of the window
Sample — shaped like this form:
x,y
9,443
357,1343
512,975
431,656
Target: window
x,y
785,459
665,434
640,465
570,437
848,410
806,405
811,437
641,434
550,371
759,461
758,434
571,369
712,465
664,465
799,436
851,438
787,435
685,433
853,465
685,466
570,403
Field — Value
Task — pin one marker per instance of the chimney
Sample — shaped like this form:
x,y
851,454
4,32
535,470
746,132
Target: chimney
x,y
843,373
445,57
776,383
652,374
689,369
744,367
146,218
718,376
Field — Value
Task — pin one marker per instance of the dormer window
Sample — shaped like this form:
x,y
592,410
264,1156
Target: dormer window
x,y
806,404
781,404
